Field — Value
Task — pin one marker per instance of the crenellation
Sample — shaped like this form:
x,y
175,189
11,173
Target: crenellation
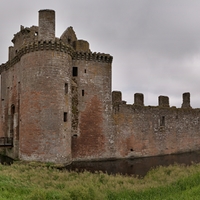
x,y
116,97
186,100
139,99
98,57
39,46
163,101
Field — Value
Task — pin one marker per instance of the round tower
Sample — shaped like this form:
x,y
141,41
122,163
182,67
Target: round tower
x,y
45,98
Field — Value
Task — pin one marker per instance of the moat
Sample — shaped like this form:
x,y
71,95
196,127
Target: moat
x,y
137,166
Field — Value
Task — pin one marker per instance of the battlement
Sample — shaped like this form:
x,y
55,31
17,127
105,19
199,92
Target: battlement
x,y
53,45
42,37
98,57
163,101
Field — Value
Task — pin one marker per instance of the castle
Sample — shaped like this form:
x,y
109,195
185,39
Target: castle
x,y
57,104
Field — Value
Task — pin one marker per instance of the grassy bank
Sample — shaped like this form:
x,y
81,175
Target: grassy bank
x,y
25,181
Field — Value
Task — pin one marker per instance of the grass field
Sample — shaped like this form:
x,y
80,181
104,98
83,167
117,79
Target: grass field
x,y
32,182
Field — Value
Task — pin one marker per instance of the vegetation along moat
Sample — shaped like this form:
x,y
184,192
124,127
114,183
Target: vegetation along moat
x,y
31,181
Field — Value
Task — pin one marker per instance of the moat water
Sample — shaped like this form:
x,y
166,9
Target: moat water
x,y
137,167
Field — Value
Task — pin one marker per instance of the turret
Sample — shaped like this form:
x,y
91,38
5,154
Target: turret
x,y
46,25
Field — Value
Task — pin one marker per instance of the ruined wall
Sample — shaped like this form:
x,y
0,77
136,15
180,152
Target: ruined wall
x,y
10,105
92,134
149,131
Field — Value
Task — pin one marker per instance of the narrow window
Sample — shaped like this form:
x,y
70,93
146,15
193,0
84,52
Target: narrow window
x,y
75,71
12,119
19,88
65,117
66,88
162,121
83,93
12,109
85,70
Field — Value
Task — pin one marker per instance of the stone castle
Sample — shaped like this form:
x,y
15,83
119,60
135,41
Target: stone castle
x,y
57,104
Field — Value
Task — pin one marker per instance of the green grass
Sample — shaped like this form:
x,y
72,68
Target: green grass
x,y
30,181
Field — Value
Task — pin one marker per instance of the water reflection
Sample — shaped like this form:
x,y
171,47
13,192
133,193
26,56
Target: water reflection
x,y
138,166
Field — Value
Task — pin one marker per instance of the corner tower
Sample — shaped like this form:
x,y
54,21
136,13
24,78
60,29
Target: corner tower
x,y
36,85
45,129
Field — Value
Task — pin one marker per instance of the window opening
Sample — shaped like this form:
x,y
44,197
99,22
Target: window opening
x,y
75,136
12,109
75,71
65,117
83,93
19,88
66,88
162,122
12,119
85,70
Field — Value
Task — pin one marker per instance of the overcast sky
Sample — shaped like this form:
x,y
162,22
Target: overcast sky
x,y
155,43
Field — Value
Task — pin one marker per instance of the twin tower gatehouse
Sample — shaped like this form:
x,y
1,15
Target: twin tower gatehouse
x,y
57,104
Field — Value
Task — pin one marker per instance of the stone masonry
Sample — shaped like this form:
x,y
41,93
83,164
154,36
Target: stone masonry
x,y
57,104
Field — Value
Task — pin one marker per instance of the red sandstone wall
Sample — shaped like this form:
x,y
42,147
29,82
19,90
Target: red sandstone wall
x,y
10,106
91,139
44,135
141,132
